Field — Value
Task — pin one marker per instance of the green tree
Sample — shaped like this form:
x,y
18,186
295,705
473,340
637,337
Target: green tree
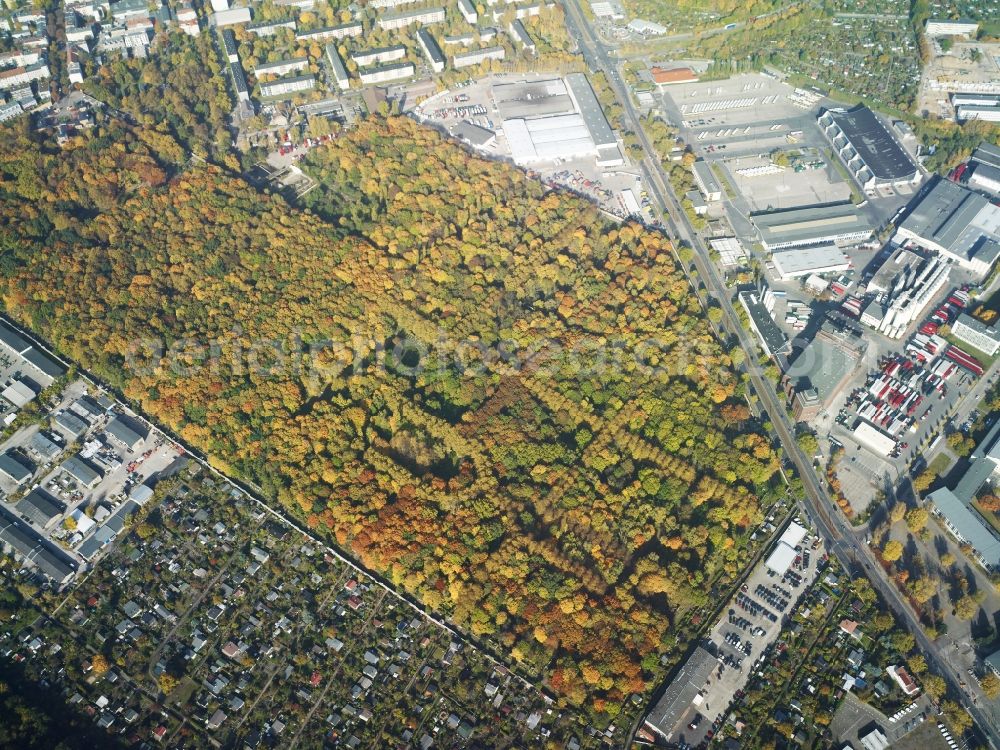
x,y
990,685
916,519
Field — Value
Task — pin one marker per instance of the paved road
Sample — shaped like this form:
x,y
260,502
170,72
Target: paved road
x,y
841,539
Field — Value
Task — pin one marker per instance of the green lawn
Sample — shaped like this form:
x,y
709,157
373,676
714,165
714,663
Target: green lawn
x,y
940,464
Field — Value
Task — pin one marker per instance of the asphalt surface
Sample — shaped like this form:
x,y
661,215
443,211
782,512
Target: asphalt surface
x,y
841,539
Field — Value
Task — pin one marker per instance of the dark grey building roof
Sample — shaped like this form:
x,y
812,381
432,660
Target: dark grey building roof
x,y
944,215
987,153
810,223
874,143
44,447
12,339
773,338
81,471
682,691
44,362
474,134
15,468
122,431
590,109
71,423
229,42
30,546
239,79
431,46
40,507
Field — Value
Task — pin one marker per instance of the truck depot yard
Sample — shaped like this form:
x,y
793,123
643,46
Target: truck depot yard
x,y
766,186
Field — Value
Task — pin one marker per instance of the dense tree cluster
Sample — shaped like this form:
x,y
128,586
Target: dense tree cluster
x,y
508,406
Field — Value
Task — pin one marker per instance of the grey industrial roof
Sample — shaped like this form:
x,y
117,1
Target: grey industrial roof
x,y
985,171
80,470
71,423
431,46
43,446
590,110
473,133
802,224
14,468
40,507
13,339
987,153
119,429
972,528
876,146
945,214
681,692
704,172
29,545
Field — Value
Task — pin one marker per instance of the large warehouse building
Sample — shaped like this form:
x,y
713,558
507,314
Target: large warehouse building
x,y
959,224
550,120
805,261
837,223
868,148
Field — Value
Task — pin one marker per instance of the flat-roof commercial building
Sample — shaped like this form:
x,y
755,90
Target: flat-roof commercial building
x,y
806,261
671,76
70,424
383,73
340,74
868,148
40,508
731,251
706,182
33,550
976,334
759,307
14,468
838,223
967,526
404,18
987,153
956,222
548,138
681,692
477,56
435,58
281,67
288,86
378,55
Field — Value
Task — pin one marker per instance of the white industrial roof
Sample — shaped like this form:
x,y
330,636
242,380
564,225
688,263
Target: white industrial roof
x,y
809,260
781,559
548,138
793,535
875,439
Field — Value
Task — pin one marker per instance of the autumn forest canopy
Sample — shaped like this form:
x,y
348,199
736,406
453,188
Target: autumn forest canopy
x,y
575,517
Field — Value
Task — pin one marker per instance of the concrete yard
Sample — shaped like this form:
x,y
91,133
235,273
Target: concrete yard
x,y
766,191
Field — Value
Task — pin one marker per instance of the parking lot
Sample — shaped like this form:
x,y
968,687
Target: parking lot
x,y
751,624
766,186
